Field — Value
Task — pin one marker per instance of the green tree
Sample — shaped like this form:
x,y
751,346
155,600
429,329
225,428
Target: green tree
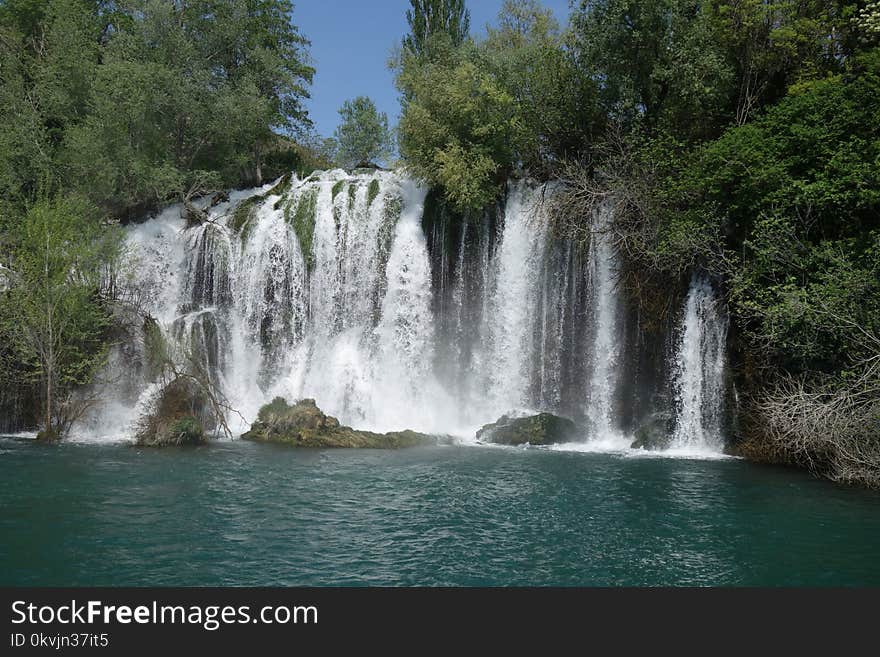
x,y
477,113
427,18
48,54
457,130
54,308
657,62
188,97
772,45
138,102
362,136
557,112
868,21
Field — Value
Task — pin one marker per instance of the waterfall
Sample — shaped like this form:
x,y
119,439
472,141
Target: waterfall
x,y
512,309
369,339
699,370
605,347
342,287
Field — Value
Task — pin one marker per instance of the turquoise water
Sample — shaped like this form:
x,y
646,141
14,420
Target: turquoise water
x,y
247,514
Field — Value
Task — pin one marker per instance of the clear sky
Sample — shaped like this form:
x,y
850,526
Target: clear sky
x,y
352,41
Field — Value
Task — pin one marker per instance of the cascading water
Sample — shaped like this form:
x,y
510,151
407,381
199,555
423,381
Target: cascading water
x,y
512,310
699,370
367,341
336,288
605,347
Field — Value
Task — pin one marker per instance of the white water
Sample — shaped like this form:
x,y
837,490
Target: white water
x,y
699,370
347,314
605,347
513,296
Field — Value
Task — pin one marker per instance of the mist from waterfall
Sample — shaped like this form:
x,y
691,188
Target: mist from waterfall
x,y
344,288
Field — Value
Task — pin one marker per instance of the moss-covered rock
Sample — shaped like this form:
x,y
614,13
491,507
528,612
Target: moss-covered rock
x,y
304,425
302,218
242,216
187,430
282,186
372,191
540,429
337,188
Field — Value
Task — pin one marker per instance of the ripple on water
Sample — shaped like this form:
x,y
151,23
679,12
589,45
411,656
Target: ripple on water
x,y
246,514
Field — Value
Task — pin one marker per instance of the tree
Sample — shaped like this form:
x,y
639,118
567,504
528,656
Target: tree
x,y
868,20
658,63
772,45
54,310
477,113
188,97
134,103
48,54
362,136
556,105
428,18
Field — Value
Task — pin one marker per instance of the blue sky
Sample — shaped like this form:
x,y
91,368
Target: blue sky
x,y
351,44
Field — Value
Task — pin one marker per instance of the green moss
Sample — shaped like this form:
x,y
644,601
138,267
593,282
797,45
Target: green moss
x,y
282,187
242,215
48,436
304,425
352,192
372,191
337,188
391,214
303,218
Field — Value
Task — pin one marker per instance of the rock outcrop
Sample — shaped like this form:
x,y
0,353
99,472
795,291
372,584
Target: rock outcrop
x,y
540,429
304,425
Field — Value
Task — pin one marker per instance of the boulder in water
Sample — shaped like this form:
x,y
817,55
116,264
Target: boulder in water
x,y
540,429
304,425
653,434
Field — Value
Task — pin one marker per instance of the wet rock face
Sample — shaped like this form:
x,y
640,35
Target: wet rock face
x,y
540,429
303,424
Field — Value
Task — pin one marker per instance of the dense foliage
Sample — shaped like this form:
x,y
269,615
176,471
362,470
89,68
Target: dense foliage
x,y
476,113
427,18
136,102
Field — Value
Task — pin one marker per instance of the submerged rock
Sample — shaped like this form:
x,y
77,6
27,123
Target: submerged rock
x,y
653,434
304,425
540,429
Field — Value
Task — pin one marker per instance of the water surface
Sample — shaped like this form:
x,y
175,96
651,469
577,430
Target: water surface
x,y
247,514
